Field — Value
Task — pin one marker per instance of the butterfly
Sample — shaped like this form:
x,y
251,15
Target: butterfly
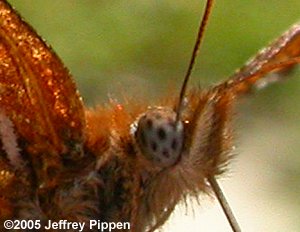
x,y
87,162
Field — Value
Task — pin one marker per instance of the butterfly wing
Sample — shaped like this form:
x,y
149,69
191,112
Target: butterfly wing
x,y
41,113
279,57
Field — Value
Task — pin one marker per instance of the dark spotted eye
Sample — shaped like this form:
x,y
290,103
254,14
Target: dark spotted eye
x,y
158,136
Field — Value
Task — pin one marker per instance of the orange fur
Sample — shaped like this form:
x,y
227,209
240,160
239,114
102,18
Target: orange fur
x,y
61,161
152,192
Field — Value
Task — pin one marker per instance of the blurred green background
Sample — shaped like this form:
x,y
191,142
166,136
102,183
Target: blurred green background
x,y
141,48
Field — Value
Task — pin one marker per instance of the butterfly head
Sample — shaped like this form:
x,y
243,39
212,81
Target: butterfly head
x,y
159,136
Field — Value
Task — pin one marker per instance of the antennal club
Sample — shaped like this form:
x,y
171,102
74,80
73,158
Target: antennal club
x,y
199,39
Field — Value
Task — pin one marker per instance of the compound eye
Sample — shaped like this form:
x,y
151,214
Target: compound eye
x,y
159,137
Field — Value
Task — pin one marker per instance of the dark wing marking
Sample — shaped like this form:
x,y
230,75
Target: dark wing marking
x,y
38,95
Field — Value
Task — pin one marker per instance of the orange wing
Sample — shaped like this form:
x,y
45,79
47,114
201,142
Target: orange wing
x,y
38,96
280,56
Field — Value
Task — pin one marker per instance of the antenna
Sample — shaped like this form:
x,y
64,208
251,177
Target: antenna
x,y
224,204
212,180
199,38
